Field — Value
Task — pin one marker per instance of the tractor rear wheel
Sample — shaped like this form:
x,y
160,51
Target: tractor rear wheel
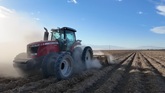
x,y
64,66
48,64
87,56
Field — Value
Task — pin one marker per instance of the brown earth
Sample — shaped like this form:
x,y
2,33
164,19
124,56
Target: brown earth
x,y
132,72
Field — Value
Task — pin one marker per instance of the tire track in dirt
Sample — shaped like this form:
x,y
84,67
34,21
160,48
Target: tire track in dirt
x,y
64,85
139,79
152,78
17,83
131,81
116,77
162,64
158,67
61,86
96,80
160,55
145,71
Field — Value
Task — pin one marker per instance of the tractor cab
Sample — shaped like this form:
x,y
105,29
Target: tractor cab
x,y
65,36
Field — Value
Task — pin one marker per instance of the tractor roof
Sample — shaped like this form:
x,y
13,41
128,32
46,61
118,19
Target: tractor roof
x,y
68,28
64,28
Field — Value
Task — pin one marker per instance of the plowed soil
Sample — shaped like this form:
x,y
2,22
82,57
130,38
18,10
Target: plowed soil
x,y
132,72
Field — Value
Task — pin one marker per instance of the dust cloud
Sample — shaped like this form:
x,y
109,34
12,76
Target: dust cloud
x,y
16,31
77,54
93,64
110,59
98,52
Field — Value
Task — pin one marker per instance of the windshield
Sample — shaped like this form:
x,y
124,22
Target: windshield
x,y
57,35
70,36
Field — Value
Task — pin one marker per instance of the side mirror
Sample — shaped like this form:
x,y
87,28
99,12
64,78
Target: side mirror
x,y
46,34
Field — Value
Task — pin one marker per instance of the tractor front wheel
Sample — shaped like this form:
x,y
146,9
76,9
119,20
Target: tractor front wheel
x,y
48,64
64,66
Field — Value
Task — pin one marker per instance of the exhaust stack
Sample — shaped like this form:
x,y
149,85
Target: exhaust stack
x,y
46,34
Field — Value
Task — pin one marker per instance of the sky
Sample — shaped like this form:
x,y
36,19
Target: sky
x,y
124,23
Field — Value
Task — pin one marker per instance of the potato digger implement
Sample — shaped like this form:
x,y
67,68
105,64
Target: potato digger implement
x,y
61,56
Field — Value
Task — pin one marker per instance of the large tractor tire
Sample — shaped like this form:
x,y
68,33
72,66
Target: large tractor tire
x,y
87,56
64,66
48,64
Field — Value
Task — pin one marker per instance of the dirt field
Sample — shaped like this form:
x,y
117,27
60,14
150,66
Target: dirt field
x,y
132,72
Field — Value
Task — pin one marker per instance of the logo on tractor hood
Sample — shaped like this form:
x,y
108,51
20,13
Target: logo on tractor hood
x,y
42,43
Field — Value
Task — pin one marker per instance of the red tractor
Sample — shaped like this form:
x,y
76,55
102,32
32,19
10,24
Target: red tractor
x,y
61,56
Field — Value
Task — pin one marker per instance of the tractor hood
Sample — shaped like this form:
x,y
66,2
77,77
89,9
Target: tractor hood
x,y
42,43
41,48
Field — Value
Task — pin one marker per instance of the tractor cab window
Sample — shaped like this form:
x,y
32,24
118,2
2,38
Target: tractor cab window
x,y
70,36
57,36
65,37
